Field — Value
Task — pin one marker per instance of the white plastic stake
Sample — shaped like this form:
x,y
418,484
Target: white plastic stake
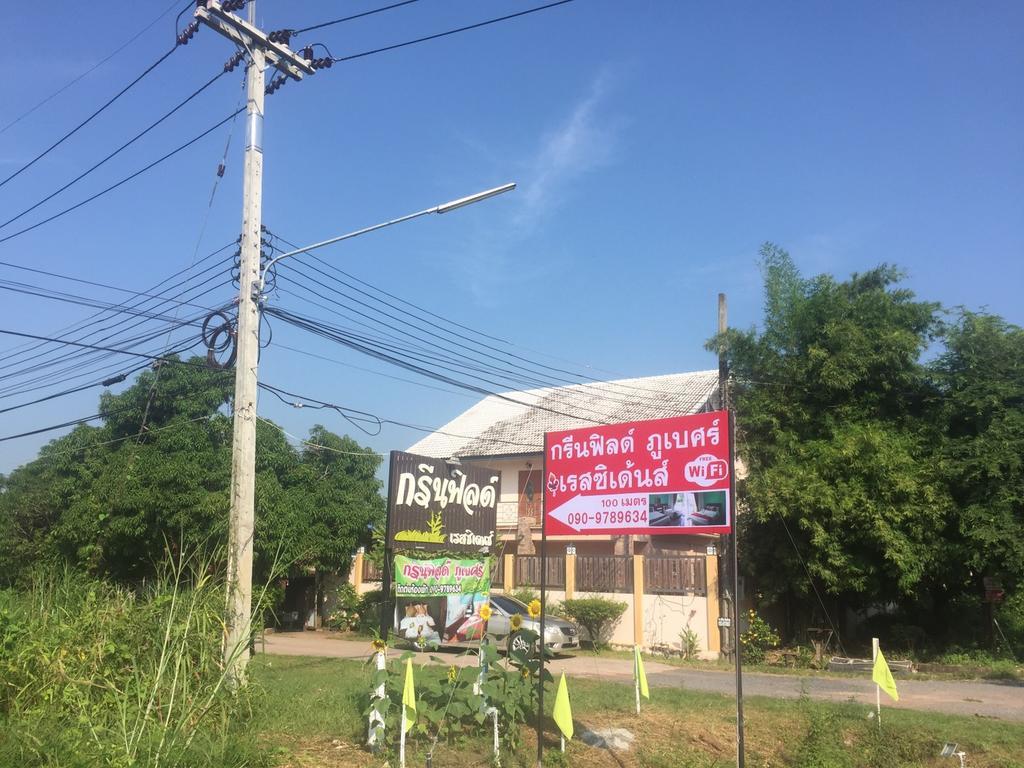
x,y
497,753
562,736
378,694
401,741
878,688
636,680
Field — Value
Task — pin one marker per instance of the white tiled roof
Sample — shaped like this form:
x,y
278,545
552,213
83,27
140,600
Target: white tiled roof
x,y
515,422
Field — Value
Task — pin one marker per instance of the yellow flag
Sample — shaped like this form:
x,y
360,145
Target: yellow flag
x,y
883,677
640,674
562,713
409,696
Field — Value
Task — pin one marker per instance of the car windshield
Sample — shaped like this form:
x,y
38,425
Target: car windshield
x,y
509,605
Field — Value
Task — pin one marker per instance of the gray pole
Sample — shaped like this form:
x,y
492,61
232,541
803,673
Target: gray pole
x,y
243,446
725,635
731,553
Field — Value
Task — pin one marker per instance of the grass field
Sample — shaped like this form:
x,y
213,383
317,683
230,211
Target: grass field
x,y
310,716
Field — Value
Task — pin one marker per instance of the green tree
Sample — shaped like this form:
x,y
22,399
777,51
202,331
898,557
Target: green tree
x,y
833,424
110,498
981,377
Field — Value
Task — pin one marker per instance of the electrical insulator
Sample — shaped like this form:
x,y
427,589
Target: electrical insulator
x,y
307,53
188,32
220,170
233,62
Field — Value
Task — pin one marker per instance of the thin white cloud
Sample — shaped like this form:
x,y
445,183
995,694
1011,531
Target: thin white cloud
x,y
584,140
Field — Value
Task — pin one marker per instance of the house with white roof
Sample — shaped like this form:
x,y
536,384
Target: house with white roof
x,y
506,431
672,580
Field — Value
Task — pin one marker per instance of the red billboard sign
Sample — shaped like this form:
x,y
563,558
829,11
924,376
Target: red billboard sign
x,y
666,476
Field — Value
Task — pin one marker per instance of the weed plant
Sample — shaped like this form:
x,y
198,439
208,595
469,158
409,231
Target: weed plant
x,y
94,674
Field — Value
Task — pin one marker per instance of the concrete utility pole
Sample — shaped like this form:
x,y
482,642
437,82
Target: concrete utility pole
x,y
243,446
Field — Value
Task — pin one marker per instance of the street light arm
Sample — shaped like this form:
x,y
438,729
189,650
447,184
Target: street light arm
x,y
443,208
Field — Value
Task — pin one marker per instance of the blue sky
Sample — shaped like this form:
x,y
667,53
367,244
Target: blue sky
x,y
656,145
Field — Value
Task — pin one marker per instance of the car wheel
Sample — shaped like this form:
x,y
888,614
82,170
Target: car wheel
x,y
517,642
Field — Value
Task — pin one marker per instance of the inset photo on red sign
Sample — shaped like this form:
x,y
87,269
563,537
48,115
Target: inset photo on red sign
x,y
688,508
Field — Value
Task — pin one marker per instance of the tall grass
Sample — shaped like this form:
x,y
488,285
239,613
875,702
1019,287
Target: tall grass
x,y
97,674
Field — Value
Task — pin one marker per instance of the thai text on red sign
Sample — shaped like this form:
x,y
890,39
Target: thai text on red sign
x,y
665,476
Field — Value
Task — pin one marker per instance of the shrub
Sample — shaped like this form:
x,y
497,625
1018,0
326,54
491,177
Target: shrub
x,y
346,608
524,595
1010,616
758,638
370,606
597,615
689,643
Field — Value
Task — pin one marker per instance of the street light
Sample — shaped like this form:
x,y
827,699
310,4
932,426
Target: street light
x,y
443,208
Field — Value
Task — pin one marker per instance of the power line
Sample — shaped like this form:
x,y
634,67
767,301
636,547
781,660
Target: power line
x,y
56,454
28,289
90,70
22,334
70,328
515,372
466,28
89,119
326,359
52,427
126,179
302,401
47,380
381,291
128,143
85,419
352,17
97,284
382,355
106,382
604,386
124,308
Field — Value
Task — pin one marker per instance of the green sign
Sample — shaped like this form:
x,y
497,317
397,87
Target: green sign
x,y
440,577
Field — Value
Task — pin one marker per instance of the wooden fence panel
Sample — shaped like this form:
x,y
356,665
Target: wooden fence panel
x,y
685,575
528,571
604,573
370,571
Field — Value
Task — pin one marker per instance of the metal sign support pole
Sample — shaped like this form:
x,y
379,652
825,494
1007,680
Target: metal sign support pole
x,y
543,605
738,650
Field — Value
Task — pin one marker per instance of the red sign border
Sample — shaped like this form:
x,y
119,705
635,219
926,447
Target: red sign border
x,y
693,530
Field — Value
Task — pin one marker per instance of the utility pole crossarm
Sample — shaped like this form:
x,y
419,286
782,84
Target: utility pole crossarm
x,y
242,33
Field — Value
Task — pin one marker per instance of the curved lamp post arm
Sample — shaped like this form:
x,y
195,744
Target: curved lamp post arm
x,y
443,208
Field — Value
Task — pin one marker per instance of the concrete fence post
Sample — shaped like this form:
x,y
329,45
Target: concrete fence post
x,y
638,600
356,576
570,572
510,573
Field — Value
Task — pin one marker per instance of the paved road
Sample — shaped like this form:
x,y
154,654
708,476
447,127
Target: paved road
x,y
995,699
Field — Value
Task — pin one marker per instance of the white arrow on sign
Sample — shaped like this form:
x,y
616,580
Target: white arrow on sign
x,y
595,513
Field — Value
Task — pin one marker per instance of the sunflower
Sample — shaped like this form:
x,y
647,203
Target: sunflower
x,y
524,672
453,674
534,609
379,645
485,611
516,621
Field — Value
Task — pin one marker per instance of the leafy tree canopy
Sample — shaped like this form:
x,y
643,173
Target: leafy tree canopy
x,y
880,476
111,497
829,395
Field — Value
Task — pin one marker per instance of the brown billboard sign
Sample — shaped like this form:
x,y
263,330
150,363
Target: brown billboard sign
x,y
437,505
